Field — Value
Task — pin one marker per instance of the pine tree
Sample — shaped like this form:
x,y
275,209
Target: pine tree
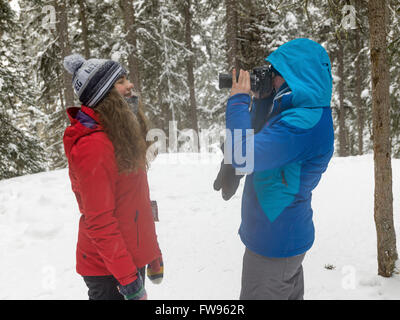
x,y
232,34
45,64
210,59
358,79
20,150
162,56
394,62
192,110
131,41
387,251
63,42
84,27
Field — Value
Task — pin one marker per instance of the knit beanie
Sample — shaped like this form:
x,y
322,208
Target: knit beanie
x,y
92,79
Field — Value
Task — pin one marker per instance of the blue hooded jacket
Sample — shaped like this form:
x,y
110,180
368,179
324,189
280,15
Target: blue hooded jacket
x,y
291,151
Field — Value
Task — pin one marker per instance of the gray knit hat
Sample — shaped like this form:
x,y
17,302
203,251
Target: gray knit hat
x,y
92,79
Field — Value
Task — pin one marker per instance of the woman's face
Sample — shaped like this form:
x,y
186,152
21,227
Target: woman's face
x,y
124,86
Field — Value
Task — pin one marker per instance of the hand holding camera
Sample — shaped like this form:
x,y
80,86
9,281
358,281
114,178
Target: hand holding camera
x,y
260,81
242,85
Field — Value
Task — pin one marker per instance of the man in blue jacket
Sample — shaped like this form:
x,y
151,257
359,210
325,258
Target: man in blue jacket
x,y
289,154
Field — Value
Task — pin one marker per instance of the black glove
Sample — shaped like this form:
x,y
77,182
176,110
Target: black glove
x,y
227,180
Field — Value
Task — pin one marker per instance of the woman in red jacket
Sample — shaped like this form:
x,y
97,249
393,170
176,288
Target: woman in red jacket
x,y
106,151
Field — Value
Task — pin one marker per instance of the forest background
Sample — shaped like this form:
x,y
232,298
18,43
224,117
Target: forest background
x,y
174,51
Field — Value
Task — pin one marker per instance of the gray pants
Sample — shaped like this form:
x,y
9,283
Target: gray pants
x,y
266,278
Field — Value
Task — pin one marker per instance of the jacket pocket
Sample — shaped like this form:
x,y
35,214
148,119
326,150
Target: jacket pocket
x,y
277,188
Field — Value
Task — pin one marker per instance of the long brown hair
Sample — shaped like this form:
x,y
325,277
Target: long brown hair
x,y
124,130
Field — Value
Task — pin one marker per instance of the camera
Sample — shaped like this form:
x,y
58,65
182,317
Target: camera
x,y
260,80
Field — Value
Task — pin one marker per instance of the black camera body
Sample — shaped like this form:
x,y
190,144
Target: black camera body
x,y
260,80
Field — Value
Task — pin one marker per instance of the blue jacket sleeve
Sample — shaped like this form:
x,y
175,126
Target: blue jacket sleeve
x,y
274,146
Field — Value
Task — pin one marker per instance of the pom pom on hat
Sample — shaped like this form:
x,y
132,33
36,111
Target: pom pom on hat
x,y
73,62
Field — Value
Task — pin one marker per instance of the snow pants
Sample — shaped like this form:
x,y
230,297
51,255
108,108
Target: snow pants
x,y
105,287
266,278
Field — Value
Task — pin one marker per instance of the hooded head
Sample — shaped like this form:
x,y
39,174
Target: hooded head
x,y
92,79
306,68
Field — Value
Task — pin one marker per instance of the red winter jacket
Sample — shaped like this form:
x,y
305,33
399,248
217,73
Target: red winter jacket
x,y
116,230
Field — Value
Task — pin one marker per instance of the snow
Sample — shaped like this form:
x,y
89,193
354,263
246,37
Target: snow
x,y
365,94
291,20
197,233
15,5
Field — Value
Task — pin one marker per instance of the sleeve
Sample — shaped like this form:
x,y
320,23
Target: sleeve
x,y
274,146
96,175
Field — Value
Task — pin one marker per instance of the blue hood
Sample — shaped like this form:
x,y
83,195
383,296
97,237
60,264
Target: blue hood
x,y
306,67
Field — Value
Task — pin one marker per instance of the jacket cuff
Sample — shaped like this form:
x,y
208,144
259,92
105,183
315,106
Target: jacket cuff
x,y
239,98
127,280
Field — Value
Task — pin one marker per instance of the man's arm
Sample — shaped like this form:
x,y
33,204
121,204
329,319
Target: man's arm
x,y
274,146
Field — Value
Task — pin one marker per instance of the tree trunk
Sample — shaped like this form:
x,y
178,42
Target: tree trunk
x,y
62,32
383,207
82,13
358,86
190,65
358,100
131,38
232,33
343,148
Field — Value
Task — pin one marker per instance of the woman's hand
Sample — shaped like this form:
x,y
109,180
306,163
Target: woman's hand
x,y
242,85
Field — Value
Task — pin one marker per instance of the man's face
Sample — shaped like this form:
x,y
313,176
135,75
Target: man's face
x,y
277,81
124,86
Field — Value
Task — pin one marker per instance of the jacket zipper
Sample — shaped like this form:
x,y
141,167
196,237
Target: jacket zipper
x,y
137,226
283,178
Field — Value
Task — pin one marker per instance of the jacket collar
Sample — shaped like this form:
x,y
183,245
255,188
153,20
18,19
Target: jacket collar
x,y
284,88
72,112
91,113
281,102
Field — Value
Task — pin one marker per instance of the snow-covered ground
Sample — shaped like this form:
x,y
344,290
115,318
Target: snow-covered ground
x,y
197,233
